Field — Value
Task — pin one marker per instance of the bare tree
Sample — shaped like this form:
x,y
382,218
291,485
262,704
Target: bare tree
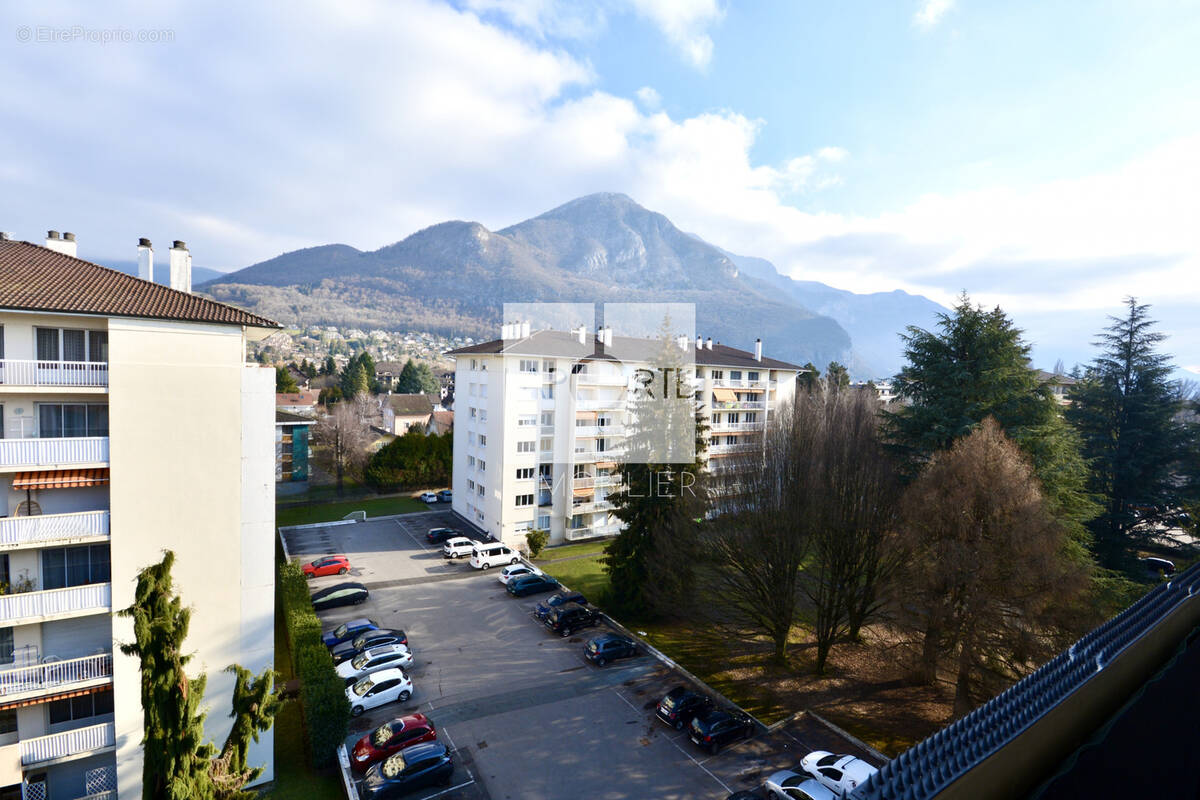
x,y
987,566
343,440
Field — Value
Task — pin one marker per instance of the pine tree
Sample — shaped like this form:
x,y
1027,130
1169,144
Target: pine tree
x,y
409,381
809,379
836,377
284,382
329,367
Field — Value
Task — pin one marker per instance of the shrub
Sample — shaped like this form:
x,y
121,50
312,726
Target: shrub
x,y
322,692
535,540
410,461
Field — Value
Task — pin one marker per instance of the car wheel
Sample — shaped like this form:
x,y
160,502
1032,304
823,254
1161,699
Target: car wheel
x,y
600,662
360,601
403,696
342,571
308,576
356,711
514,561
564,633
486,566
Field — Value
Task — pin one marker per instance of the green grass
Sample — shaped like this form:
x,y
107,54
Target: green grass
x,y
585,575
572,550
331,512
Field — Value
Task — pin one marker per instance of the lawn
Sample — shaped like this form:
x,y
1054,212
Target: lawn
x,y
330,512
581,574
573,550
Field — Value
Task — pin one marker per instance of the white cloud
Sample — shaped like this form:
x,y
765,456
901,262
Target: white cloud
x,y
931,12
650,99
685,23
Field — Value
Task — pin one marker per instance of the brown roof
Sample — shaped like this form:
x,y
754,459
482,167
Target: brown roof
x,y
443,417
288,418
304,397
560,343
34,278
410,404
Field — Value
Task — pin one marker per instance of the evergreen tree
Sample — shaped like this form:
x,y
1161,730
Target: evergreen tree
x,y
329,367
409,381
836,377
1125,407
977,366
354,380
809,379
427,382
284,382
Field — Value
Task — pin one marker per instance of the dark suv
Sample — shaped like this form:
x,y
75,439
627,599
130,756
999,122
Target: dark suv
x,y
681,706
543,609
715,729
566,619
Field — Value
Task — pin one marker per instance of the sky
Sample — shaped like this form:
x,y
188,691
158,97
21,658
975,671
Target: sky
x,y
1043,157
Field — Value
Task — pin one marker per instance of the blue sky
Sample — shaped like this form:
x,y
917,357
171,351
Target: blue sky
x,y
1045,157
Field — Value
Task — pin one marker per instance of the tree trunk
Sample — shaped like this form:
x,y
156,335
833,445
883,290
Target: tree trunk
x,y
962,686
926,672
824,645
781,643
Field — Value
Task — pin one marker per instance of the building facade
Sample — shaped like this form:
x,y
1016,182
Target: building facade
x,y
542,417
291,446
130,424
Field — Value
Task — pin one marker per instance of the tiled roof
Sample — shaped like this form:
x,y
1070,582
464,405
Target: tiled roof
x,y
288,418
35,278
410,404
304,397
624,348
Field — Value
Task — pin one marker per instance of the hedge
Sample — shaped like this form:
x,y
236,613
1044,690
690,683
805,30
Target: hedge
x,y
322,692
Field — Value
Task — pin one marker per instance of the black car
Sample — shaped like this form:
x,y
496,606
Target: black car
x,y
609,647
416,767
715,729
566,619
530,584
543,609
365,641
743,796
681,706
343,594
439,535
445,495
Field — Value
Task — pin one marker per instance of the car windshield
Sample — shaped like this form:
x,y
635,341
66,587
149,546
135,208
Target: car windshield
x,y
340,630
360,640
794,780
362,687
670,701
382,735
394,765
593,647
359,661
828,761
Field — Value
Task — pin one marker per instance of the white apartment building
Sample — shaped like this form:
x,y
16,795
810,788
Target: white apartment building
x,y
540,421
129,424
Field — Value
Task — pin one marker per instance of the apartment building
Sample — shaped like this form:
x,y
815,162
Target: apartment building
x,y
542,417
129,424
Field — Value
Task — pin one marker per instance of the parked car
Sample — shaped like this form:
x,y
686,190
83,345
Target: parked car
x,y
428,497
416,767
389,737
446,496
378,688
788,785
329,565
609,647
367,640
743,796
681,705
385,656
555,600
837,773
457,547
715,729
485,556
530,584
342,594
348,630
516,571
567,619
1156,567
439,535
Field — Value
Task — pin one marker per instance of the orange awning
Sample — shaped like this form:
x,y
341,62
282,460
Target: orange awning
x,y
33,701
724,395
585,415
605,464
61,478
584,492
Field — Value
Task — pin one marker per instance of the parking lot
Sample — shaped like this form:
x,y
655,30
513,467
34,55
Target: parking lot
x,y
527,716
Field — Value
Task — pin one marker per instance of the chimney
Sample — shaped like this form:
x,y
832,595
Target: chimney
x,y
145,263
5,236
608,336
699,343
68,244
708,344
581,334
504,331
56,242
181,267
525,329
758,349
682,341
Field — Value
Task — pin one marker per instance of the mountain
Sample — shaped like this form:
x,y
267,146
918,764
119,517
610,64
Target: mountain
x,y
453,278
162,272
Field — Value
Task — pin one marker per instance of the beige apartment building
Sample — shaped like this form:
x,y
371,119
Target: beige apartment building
x,y
130,424
541,419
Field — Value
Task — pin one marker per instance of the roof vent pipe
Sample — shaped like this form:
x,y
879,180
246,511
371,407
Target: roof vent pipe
x,y
758,349
145,260
608,336
61,244
525,329
708,344
181,267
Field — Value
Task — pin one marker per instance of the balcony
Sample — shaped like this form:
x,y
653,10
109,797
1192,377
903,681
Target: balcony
x,y
602,380
742,383
735,427
55,676
591,508
739,405
595,531
727,449
21,532
588,481
24,608
68,451
590,456
68,744
594,404
77,374
591,431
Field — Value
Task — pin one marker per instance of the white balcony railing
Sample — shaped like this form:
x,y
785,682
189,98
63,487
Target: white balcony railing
x,y
56,674
589,481
739,405
25,607
575,534
743,383
735,427
53,452
602,380
14,372
18,531
591,508
80,741
590,431
723,449
590,456
593,404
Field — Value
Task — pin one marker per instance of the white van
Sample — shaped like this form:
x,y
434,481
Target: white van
x,y
494,554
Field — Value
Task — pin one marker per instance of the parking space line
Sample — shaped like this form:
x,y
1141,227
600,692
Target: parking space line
x,y
415,538
450,789
677,747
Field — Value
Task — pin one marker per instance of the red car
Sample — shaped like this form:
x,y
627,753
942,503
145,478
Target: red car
x,y
389,738
329,565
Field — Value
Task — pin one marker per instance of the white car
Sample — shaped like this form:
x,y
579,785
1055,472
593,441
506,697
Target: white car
x,y
428,497
516,571
377,689
493,554
458,547
839,773
788,785
386,656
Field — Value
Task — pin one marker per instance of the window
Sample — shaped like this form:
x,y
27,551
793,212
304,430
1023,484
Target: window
x,y
474,364
750,416
470,461
470,485
483,415
543,522
483,390
479,490
482,465
4,568
548,366
526,420
581,471
524,447
548,391
8,724
579,369
527,394
601,445
547,445
7,649
479,516
716,374
482,440
548,419
74,566
483,366
752,376
525,473
735,375
71,419
82,707
524,500
472,413
528,365
67,344
47,344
